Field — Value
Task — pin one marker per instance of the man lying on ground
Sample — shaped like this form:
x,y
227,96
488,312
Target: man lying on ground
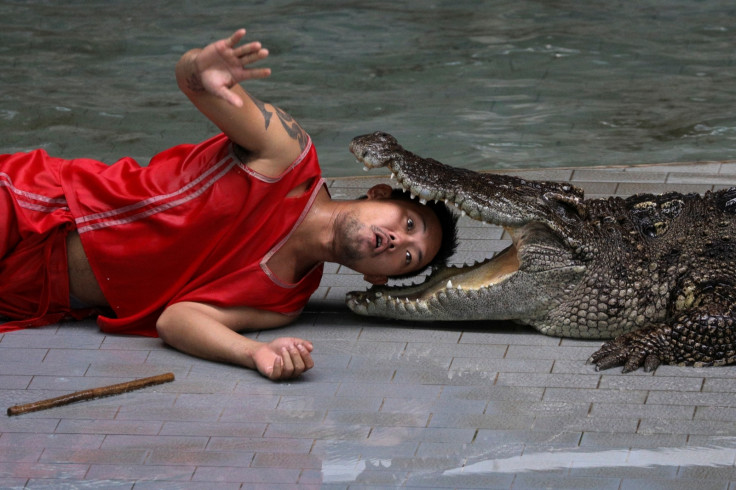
x,y
207,240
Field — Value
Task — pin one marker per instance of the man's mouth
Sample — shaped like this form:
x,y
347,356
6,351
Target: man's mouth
x,y
381,240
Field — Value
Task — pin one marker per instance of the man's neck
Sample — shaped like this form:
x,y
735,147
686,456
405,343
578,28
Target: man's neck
x,y
310,244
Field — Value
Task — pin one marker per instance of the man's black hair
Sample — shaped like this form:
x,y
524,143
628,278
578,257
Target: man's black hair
x,y
448,223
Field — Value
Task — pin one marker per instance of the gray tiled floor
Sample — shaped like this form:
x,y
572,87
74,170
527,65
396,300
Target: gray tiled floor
x,y
387,405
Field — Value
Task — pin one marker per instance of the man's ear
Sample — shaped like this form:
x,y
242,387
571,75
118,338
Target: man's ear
x,y
376,280
379,191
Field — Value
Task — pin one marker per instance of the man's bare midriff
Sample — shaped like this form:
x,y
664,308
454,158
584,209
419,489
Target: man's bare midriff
x,y
83,284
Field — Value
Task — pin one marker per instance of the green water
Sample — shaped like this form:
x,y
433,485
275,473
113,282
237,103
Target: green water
x,y
495,84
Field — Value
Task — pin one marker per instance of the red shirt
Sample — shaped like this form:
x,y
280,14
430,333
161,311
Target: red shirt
x,y
194,225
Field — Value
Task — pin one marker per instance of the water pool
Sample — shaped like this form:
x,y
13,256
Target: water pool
x,y
480,84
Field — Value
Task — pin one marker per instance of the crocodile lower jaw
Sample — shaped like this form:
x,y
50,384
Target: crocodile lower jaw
x,y
452,281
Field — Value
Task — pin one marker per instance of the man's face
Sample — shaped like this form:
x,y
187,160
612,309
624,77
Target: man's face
x,y
383,237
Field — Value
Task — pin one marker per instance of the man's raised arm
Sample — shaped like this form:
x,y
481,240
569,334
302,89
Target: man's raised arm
x,y
211,78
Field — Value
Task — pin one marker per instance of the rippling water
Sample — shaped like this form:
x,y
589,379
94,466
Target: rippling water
x,y
494,84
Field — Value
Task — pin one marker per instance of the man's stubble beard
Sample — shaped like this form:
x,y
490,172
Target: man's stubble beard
x,y
347,232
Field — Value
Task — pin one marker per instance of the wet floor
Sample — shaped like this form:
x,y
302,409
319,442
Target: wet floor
x,y
460,405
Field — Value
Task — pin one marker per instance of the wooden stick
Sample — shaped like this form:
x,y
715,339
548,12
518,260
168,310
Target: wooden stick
x,y
110,390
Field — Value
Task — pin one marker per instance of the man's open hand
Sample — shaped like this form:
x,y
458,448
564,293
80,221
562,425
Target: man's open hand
x,y
222,64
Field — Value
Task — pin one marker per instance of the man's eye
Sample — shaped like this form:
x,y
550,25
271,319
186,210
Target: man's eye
x,y
410,224
408,257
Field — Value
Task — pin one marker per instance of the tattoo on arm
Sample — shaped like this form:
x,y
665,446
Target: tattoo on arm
x,y
262,107
194,83
292,127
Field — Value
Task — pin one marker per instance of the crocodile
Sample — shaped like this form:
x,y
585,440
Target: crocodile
x,y
654,276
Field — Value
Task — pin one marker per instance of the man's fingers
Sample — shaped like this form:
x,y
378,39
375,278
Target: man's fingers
x,y
296,359
236,37
248,49
251,73
306,357
230,96
277,368
288,369
291,357
253,57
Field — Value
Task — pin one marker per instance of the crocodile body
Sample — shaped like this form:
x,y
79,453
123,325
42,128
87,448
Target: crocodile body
x,y
654,274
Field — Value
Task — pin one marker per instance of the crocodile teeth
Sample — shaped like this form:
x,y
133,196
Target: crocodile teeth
x,y
365,168
449,284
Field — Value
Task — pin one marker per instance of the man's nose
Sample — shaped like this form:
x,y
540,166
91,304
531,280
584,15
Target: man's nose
x,y
395,240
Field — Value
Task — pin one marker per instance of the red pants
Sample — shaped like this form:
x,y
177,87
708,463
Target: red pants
x,y
34,222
